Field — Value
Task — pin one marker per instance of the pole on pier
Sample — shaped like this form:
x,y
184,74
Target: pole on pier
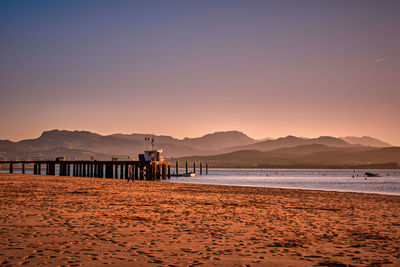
x,y
136,171
169,171
127,171
23,168
201,168
121,171
95,170
149,169
11,168
194,167
176,168
141,172
34,168
116,171
47,169
206,168
187,167
154,171
102,170
51,168
164,171
39,169
109,170
98,171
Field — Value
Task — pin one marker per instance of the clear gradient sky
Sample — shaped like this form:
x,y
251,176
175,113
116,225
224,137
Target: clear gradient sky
x,y
187,68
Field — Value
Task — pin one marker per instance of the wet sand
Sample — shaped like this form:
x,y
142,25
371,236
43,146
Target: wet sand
x,y
91,222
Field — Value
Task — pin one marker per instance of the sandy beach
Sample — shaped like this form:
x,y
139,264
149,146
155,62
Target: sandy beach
x,y
47,220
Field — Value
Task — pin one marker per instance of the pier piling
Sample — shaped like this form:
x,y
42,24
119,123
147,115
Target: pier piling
x,y
121,171
116,171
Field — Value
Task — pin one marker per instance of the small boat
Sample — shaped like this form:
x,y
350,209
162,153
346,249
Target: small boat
x,y
373,174
190,174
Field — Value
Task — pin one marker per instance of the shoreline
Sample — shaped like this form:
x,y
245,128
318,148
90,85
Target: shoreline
x,y
91,221
290,188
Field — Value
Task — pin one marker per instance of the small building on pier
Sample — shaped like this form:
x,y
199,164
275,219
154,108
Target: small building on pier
x,y
151,155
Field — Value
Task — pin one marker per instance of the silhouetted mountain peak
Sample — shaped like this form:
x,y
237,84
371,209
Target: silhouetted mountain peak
x,y
66,133
290,138
222,134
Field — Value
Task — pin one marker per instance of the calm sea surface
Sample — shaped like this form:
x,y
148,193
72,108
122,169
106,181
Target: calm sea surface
x,y
328,180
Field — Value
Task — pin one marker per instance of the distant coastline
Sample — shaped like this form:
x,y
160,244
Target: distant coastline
x,y
385,166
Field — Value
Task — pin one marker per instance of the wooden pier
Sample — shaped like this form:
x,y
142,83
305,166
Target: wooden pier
x,y
137,170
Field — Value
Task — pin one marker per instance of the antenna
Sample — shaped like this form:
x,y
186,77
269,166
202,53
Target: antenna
x,y
152,143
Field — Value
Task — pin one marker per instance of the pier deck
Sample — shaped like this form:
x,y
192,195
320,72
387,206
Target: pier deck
x,y
137,170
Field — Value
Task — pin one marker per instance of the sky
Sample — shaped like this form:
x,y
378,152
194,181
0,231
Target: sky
x,y
188,68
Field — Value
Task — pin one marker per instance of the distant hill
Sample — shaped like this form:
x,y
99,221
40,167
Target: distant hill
x,y
231,148
305,156
219,140
291,141
208,142
365,141
121,144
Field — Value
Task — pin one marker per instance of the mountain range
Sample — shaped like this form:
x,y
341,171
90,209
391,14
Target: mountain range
x,y
229,148
305,156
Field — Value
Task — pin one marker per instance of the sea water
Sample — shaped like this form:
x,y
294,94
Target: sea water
x,y
323,179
